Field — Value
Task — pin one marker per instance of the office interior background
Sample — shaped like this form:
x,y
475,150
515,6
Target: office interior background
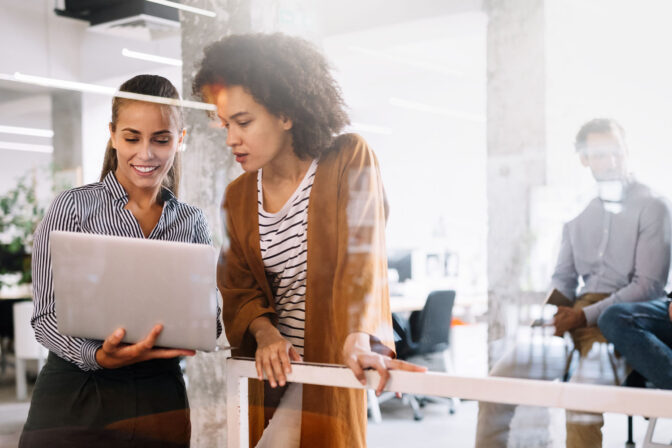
x,y
472,107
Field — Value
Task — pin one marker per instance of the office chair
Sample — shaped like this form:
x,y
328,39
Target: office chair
x,y
425,339
635,379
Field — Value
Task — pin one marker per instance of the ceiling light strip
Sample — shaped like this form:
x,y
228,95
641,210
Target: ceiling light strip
x,y
33,132
14,146
151,57
103,90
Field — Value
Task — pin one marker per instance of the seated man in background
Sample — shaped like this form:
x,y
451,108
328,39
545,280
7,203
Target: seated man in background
x,y
619,246
642,333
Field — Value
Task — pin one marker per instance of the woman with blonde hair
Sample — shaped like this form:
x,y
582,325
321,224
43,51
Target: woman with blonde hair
x,y
105,393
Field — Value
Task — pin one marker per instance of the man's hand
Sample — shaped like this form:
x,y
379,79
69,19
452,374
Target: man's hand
x,y
669,310
567,319
113,354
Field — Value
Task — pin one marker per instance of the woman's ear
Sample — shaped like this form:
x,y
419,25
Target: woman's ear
x,y
112,136
286,123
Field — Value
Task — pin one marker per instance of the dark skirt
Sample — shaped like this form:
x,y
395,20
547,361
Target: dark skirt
x,y
143,405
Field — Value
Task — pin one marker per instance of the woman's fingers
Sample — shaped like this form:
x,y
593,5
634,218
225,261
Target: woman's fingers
x,y
397,364
294,356
276,364
353,364
112,342
381,368
114,355
382,365
168,353
285,363
150,340
268,369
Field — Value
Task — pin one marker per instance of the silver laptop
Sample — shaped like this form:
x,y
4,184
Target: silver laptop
x,y
104,282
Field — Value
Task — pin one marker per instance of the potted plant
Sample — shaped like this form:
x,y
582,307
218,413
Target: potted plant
x,y
20,213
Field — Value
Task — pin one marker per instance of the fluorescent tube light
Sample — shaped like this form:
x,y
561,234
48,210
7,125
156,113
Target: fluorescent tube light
x,y
203,12
151,57
33,132
103,90
26,147
422,107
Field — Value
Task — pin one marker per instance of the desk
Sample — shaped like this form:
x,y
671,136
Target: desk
x,y
405,304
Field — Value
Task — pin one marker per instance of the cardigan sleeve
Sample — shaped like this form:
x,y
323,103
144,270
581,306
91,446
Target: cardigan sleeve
x,y
360,286
242,298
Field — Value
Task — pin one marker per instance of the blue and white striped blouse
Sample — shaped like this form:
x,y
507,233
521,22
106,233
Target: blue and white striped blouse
x,y
99,208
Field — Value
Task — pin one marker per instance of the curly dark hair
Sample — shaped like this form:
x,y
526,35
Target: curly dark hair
x,y
285,74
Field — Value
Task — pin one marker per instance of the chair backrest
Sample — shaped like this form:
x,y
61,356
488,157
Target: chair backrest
x,y
25,345
434,322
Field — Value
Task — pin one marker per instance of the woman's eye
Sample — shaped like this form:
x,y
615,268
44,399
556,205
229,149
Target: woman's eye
x,y
162,141
243,124
131,140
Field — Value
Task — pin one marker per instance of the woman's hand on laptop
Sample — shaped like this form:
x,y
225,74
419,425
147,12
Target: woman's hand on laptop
x,y
113,354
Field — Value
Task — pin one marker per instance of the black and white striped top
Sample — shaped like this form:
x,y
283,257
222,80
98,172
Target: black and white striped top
x,y
284,249
99,208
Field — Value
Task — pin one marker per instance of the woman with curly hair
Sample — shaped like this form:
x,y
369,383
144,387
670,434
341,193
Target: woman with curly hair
x,y
305,274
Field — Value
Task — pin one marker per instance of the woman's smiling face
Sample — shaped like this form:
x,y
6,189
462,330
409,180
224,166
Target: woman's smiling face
x,y
146,140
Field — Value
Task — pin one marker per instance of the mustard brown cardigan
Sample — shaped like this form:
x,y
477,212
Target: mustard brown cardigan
x,y
346,286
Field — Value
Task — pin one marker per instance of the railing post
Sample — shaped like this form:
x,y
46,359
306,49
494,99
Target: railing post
x,y
236,407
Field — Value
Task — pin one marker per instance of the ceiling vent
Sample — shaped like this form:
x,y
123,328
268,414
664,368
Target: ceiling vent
x,y
135,19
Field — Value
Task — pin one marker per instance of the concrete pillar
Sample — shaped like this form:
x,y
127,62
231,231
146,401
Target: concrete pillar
x,y
208,167
66,121
516,139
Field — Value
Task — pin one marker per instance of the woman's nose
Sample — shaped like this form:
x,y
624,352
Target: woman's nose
x,y
232,138
145,150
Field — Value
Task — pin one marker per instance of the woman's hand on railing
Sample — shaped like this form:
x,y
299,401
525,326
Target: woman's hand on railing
x,y
358,356
274,353
113,354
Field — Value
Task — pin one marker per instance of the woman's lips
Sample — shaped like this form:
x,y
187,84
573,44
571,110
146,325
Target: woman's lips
x,y
144,170
240,158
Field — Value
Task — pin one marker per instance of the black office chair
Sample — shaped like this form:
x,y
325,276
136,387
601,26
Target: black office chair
x,y
424,340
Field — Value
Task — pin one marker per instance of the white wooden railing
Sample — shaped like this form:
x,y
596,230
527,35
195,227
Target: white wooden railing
x,y
578,397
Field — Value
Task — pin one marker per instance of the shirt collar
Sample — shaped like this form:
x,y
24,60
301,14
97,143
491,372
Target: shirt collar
x,y
113,187
118,193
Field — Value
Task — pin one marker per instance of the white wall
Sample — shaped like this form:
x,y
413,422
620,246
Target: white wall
x,y
432,161
605,58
